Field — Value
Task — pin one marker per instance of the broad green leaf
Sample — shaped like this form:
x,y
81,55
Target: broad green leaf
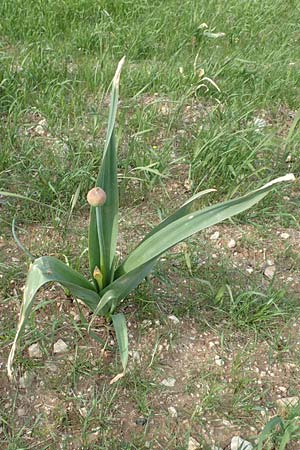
x,y
104,220
119,323
289,433
45,270
120,288
266,432
185,209
107,214
158,242
94,250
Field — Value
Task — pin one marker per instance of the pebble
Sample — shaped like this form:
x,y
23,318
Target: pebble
x,y
51,366
219,361
174,319
168,382
259,123
231,243
25,381
269,272
193,444
34,351
60,346
21,412
288,158
136,356
172,411
284,235
237,443
215,236
142,421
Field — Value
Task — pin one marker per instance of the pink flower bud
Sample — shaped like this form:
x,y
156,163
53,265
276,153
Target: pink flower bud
x,y
96,197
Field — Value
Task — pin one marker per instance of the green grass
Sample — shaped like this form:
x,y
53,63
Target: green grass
x,y
57,60
56,63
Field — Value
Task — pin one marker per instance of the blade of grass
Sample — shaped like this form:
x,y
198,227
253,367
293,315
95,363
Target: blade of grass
x,y
23,197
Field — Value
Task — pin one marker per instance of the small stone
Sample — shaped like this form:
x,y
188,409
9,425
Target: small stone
x,y
174,319
288,158
193,444
34,351
21,412
39,129
231,243
60,346
282,388
214,447
136,356
269,272
219,361
284,235
142,421
168,382
172,411
259,123
237,443
215,236
26,380
51,366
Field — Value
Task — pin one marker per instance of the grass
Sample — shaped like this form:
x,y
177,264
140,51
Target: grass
x,y
177,132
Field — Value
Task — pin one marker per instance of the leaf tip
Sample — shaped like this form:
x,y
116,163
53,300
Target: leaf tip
x,y
117,377
286,178
118,72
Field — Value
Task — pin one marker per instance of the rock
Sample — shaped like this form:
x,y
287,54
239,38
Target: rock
x,y
269,272
136,356
21,412
259,123
219,361
174,319
172,411
288,158
60,346
214,447
284,404
168,382
51,366
284,235
237,443
142,421
215,236
231,243
25,380
193,444
34,351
